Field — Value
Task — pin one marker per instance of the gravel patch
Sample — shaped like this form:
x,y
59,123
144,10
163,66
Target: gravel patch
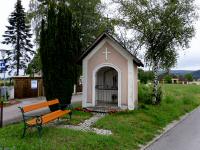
x,y
86,125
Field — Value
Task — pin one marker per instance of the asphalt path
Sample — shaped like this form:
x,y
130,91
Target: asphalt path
x,y
184,136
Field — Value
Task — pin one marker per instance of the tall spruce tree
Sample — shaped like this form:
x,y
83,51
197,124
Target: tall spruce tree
x,y
18,35
57,52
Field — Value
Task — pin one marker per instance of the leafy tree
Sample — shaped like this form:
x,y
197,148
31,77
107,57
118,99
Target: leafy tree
x,y
87,19
87,16
35,65
189,77
37,12
168,79
145,76
18,35
58,51
161,27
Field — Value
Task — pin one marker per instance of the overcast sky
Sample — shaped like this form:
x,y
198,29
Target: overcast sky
x,y
188,59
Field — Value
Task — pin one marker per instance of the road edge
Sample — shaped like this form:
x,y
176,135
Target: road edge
x,y
166,129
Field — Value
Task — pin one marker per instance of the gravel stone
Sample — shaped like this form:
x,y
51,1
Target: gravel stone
x,y
86,125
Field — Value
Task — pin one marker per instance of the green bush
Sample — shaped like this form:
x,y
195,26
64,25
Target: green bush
x,y
168,79
145,76
7,83
145,94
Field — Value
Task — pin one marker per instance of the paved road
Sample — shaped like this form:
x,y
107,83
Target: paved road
x,y
185,136
12,113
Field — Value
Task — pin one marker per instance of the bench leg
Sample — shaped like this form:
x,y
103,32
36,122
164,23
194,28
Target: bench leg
x,y
24,132
70,115
39,130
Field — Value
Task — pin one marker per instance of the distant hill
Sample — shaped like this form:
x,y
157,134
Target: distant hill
x,y
181,72
196,74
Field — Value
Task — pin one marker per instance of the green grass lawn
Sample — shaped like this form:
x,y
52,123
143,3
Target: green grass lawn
x,y
130,129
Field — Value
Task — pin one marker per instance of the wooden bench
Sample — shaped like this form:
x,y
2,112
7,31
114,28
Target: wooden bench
x,y
39,120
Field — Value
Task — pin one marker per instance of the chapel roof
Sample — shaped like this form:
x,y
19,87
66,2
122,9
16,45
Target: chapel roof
x,y
99,39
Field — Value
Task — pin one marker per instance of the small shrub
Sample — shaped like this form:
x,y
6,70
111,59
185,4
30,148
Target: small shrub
x,y
168,79
145,94
7,83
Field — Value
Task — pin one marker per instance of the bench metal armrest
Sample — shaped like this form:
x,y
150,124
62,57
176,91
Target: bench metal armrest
x,y
23,116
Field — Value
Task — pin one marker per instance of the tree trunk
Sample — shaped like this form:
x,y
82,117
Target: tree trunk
x,y
168,71
18,50
155,85
18,61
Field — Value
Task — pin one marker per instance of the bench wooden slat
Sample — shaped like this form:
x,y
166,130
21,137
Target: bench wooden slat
x,y
40,105
53,102
49,117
